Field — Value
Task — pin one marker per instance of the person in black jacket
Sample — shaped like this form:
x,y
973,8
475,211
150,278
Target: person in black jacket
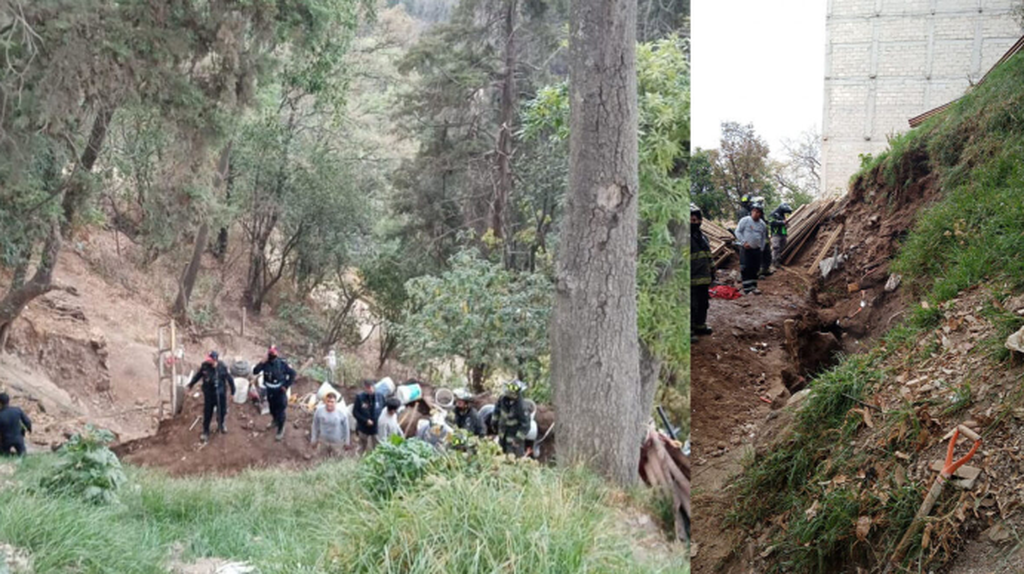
x,y
511,419
216,380
702,272
278,377
366,411
464,416
14,423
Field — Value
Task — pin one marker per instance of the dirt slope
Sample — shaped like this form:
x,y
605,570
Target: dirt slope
x,y
748,369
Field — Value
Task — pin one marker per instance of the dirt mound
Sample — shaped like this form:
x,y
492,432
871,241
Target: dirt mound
x,y
177,449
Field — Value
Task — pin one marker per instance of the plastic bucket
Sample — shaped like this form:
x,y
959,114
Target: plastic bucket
x,y
409,393
241,390
444,398
384,386
532,435
324,389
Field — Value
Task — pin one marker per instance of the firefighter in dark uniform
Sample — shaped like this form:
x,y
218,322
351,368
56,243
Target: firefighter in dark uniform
x,y
278,377
778,228
511,419
216,379
464,416
702,272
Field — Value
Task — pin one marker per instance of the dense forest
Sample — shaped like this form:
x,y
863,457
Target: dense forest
x,y
411,155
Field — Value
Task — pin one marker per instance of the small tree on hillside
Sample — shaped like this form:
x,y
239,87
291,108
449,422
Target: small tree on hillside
x,y
478,312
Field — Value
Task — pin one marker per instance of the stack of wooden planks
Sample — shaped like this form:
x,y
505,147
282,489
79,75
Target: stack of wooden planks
x,y
803,224
720,239
663,465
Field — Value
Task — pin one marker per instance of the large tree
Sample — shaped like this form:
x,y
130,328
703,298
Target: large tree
x,y
595,347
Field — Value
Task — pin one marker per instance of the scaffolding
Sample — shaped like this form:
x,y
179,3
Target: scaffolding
x,y
169,386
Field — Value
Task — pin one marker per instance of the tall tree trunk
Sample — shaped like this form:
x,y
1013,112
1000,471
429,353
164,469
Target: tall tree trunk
x,y
595,345
188,279
77,193
503,188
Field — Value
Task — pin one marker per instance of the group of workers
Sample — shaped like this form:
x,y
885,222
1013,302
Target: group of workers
x,y
375,414
278,377
757,241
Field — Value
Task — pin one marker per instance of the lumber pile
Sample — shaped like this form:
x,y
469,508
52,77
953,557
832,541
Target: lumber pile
x,y
720,239
663,465
803,225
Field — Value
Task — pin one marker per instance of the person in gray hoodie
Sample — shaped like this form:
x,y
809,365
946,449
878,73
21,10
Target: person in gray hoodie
x,y
387,423
752,233
330,427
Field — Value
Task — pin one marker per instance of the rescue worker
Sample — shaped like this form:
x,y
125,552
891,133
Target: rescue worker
x,y
465,416
778,227
752,234
215,376
702,272
366,410
278,377
330,433
387,424
14,423
435,433
511,419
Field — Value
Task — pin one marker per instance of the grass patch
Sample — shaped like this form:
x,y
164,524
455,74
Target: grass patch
x,y
515,518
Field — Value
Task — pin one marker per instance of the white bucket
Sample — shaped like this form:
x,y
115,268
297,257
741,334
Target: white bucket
x,y
409,393
324,389
384,386
532,435
241,390
444,398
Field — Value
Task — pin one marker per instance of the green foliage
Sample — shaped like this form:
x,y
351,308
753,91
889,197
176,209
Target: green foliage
x,y
452,108
975,232
533,519
86,468
704,192
481,313
396,465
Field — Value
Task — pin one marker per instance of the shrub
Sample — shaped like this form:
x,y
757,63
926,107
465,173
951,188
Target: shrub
x,y
87,468
396,465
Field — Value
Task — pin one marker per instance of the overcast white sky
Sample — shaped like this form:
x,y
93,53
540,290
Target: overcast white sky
x,y
760,62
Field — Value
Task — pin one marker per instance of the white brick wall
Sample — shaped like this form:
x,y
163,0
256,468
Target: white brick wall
x,y
890,60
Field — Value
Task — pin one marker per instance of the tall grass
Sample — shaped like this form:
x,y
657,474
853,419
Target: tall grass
x,y
975,232
517,519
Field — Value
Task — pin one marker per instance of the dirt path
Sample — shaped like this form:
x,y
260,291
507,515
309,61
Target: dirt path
x,y
734,372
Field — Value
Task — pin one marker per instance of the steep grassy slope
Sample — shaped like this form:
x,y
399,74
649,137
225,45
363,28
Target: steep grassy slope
x,y
842,485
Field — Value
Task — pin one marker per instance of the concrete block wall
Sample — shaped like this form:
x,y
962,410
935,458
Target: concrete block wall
x,y
889,60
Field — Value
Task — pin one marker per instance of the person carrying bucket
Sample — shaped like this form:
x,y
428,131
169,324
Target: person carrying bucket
x,y
387,423
366,411
215,376
511,419
278,376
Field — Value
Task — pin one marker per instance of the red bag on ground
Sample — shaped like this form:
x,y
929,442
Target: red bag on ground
x,y
724,292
